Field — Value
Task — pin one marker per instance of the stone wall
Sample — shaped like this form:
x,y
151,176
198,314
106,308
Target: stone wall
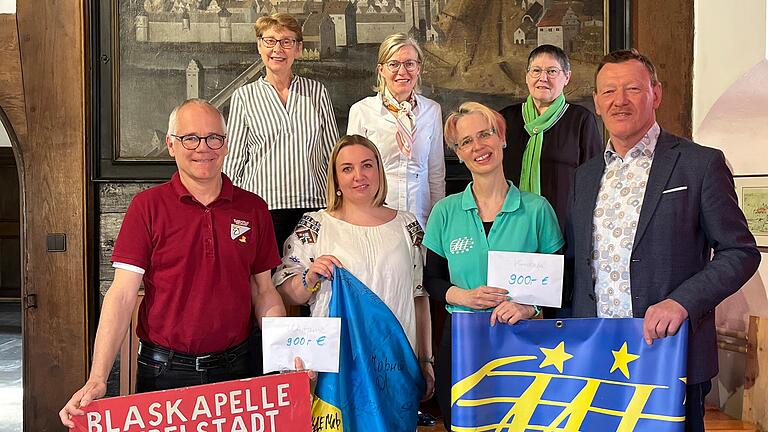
x,y
113,203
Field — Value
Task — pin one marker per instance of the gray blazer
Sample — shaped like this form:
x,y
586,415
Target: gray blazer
x,y
676,235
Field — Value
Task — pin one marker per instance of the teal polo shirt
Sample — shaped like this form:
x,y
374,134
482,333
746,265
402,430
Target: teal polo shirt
x,y
525,223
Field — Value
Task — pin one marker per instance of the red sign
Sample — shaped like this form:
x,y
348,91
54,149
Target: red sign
x,y
273,403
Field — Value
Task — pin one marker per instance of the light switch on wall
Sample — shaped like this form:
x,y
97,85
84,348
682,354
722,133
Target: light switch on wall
x,y
56,242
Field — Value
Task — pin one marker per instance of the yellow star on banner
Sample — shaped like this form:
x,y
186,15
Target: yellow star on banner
x,y
685,381
621,359
555,357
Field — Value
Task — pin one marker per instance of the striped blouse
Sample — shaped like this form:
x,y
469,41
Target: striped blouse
x,y
281,152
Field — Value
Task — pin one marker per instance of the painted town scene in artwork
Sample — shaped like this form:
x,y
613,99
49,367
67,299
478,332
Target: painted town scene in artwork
x,y
755,206
170,50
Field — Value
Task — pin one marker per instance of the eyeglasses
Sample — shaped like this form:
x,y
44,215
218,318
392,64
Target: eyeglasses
x,y
192,142
535,72
410,65
480,136
270,42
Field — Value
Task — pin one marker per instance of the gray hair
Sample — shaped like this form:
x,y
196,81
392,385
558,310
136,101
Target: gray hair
x,y
195,101
555,52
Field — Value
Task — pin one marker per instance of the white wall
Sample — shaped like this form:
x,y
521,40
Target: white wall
x,y
7,6
4,140
730,108
730,38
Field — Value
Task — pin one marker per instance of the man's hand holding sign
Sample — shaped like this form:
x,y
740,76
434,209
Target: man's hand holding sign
x,y
271,403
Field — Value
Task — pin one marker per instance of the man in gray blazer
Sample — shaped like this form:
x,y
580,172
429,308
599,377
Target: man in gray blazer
x,y
655,229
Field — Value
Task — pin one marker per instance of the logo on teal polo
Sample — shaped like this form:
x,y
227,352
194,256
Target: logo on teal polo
x,y
461,245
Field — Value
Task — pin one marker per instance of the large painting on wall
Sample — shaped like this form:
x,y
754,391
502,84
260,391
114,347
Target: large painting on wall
x,y
153,54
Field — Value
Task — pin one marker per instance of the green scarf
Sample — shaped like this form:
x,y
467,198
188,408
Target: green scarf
x,y
535,125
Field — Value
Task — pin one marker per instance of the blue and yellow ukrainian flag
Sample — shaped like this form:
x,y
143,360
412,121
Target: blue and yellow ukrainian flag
x,y
569,375
379,381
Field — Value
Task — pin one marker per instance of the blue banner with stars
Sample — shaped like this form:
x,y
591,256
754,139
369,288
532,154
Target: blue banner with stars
x,y
588,374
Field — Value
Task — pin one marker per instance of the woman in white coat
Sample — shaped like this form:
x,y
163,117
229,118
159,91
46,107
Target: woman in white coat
x,y
405,126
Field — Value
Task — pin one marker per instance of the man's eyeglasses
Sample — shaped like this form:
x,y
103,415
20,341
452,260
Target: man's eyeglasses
x,y
192,142
284,43
410,65
480,136
535,72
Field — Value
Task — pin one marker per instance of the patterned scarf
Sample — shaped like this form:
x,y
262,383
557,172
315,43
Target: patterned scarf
x,y
535,125
405,120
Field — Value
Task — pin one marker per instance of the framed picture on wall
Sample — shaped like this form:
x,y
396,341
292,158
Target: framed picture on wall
x,y
752,192
148,56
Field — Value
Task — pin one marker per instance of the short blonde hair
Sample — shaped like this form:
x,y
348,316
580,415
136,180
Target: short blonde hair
x,y
494,119
388,48
335,201
280,21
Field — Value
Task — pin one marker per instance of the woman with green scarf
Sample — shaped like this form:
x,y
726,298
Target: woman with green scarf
x,y
547,137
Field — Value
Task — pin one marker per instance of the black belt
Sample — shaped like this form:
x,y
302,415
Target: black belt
x,y
186,361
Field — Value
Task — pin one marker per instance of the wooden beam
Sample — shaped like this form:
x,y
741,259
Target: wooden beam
x,y
54,184
664,32
11,88
755,401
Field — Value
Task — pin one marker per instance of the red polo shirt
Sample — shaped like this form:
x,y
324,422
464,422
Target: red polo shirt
x,y
197,261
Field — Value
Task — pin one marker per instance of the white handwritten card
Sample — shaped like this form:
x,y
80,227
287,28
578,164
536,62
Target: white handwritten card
x,y
530,278
315,340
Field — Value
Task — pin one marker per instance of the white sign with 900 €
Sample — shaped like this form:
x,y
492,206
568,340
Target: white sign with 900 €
x,y
530,278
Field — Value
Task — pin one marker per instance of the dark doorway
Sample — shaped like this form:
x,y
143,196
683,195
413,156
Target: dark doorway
x,y
10,242
10,289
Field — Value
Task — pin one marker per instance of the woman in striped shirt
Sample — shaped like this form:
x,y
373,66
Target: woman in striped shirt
x,y
281,129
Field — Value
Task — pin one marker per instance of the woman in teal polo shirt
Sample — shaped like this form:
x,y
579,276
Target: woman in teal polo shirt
x,y
491,214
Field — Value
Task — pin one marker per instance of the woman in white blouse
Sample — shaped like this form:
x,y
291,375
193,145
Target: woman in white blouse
x,y
379,245
405,126
281,129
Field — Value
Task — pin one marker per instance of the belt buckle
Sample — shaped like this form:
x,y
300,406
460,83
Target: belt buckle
x,y
199,368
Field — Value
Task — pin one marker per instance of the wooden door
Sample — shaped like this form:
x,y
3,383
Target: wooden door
x,y
42,90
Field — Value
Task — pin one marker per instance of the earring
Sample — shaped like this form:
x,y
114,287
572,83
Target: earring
x,y
461,161
338,192
504,145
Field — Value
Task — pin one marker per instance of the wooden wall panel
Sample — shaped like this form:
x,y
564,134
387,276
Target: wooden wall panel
x,y
663,30
52,45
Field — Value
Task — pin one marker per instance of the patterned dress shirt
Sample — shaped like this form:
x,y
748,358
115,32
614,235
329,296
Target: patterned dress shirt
x,y
617,211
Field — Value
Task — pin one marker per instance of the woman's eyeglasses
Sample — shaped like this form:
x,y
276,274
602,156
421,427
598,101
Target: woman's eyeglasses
x,y
480,136
410,65
284,43
536,72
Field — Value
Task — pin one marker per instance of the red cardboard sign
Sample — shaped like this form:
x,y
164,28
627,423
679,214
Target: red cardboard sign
x,y
273,403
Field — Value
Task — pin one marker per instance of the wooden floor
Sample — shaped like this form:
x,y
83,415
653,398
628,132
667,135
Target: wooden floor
x,y
713,421
716,421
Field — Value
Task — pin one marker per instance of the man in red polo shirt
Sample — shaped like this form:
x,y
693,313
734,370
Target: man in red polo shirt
x,y
204,250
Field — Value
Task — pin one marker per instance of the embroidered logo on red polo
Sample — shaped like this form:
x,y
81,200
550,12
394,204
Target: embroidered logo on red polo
x,y
237,228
